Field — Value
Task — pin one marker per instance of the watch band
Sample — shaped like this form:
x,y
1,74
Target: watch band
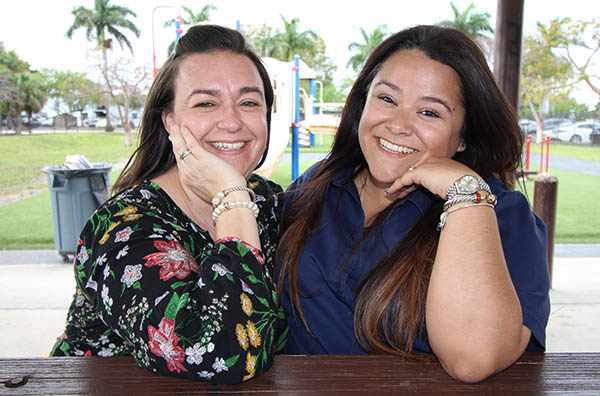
x,y
466,185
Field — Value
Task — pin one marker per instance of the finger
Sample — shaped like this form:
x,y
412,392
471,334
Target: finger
x,y
177,141
405,191
189,139
397,186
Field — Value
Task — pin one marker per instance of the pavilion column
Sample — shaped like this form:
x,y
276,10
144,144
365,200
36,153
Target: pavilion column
x,y
507,53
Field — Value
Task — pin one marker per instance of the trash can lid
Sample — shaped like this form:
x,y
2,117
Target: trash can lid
x,y
62,170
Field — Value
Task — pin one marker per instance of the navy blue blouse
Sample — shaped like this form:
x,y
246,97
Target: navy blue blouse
x,y
328,281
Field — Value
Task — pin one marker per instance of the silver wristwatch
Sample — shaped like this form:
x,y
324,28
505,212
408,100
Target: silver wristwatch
x,y
467,185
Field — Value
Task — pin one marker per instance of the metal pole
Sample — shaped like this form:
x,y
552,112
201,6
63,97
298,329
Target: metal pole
x,y
313,94
296,124
178,32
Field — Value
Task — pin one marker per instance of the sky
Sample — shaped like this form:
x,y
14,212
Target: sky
x,y
35,29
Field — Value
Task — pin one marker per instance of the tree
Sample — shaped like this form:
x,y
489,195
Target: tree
x,y
191,19
475,24
260,38
284,45
11,66
544,76
33,93
577,42
126,83
364,49
72,91
21,89
102,21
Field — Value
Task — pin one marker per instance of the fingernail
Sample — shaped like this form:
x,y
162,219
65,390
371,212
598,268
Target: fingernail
x,y
387,190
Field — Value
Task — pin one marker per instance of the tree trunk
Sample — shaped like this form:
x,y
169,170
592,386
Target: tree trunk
x,y
127,134
109,127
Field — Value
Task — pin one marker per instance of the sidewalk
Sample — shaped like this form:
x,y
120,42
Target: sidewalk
x,y
36,289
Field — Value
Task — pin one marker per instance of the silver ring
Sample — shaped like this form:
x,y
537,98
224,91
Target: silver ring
x,y
412,168
184,154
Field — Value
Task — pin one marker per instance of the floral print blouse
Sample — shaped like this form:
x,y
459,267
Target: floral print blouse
x,y
153,285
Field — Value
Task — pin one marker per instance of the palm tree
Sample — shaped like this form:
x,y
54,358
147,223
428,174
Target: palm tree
x,y
33,93
192,19
102,21
363,50
475,24
284,45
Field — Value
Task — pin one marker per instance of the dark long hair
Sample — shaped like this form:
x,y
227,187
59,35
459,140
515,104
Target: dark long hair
x,y
389,311
154,154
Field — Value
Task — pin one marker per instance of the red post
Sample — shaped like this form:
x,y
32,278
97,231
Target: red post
x,y
547,152
542,157
528,152
177,32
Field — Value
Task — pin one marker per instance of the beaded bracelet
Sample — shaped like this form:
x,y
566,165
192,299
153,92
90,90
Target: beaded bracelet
x,y
225,206
477,197
444,215
216,201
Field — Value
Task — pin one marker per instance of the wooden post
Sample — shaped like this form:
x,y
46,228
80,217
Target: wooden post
x,y
545,195
507,53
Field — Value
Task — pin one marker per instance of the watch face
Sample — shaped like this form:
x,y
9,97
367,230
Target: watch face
x,y
468,184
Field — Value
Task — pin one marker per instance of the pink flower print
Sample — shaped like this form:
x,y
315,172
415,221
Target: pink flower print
x,y
163,343
123,235
173,259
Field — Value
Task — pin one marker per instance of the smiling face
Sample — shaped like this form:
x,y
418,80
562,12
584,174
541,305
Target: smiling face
x,y
413,111
219,97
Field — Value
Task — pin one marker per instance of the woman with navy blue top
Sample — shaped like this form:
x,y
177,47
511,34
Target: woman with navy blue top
x,y
405,239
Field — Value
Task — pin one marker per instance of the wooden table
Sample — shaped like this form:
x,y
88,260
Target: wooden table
x,y
550,374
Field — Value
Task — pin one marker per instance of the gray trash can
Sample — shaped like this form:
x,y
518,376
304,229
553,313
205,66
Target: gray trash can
x,y
75,195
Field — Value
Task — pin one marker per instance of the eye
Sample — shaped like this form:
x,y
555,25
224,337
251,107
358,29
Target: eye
x,y
429,113
250,103
204,104
386,99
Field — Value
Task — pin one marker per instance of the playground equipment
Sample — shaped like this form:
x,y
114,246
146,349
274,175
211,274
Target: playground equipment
x,y
546,158
291,102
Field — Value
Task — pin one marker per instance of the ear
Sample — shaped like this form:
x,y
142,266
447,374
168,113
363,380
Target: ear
x,y
167,120
462,146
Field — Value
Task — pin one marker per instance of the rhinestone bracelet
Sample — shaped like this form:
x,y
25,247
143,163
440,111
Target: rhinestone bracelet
x,y
444,215
477,197
225,206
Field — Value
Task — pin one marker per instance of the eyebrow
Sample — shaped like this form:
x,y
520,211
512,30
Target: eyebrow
x,y
215,92
434,99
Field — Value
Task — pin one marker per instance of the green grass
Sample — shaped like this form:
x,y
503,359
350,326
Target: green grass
x,y
577,194
24,156
322,145
283,173
582,152
27,224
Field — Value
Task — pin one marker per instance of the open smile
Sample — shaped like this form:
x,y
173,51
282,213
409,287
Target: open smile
x,y
394,148
224,146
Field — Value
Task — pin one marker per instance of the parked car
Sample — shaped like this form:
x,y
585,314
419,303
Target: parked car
x,y
579,132
528,126
101,122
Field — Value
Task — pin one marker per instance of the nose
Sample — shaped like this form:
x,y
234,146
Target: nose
x,y
230,120
400,123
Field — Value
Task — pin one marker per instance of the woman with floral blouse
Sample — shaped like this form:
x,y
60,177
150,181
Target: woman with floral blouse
x,y
176,270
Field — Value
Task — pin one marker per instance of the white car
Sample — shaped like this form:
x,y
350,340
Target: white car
x,y
578,132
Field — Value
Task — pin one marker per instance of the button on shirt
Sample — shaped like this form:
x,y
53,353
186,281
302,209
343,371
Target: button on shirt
x,y
329,276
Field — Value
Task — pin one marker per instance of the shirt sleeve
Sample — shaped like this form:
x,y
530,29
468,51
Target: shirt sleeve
x,y
187,307
525,246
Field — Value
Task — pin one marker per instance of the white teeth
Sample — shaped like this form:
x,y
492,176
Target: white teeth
x,y
394,148
228,146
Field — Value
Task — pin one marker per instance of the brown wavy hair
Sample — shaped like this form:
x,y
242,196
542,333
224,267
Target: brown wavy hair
x,y
154,155
389,312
